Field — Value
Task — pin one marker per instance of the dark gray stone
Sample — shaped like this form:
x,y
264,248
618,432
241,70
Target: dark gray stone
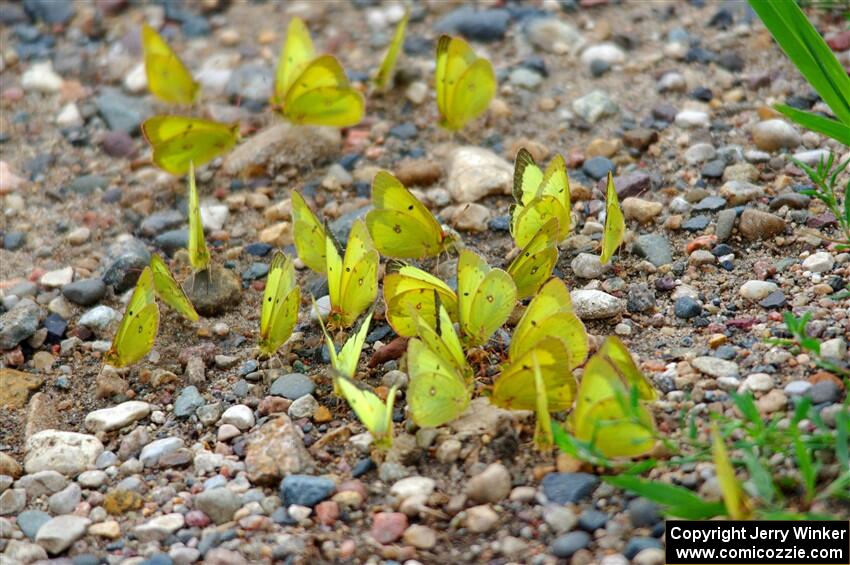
x,y
687,308
566,545
565,488
305,490
655,248
84,292
292,386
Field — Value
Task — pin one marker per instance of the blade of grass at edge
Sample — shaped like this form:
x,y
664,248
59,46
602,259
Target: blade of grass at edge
x,y
678,501
830,128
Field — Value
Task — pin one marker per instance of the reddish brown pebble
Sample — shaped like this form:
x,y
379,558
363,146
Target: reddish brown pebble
x,y
387,527
327,512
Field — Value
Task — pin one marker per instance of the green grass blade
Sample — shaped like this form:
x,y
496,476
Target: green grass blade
x,y
679,501
830,128
761,478
807,467
842,441
808,51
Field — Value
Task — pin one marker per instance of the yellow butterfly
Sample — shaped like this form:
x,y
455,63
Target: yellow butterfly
x,y
539,197
443,340
313,90
199,254
465,83
178,141
384,76
437,392
309,235
486,297
352,280
610,410
137,332
168,78
400,224
538,371
535,263
550,313
412,290
376,415
738,505
169,291
615,225
281,300
543,437
346,360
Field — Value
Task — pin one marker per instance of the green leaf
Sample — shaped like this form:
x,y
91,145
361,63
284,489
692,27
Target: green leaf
x,y
748,408
801,410
842,441
760,476
679,501
807,468
817,123
808,51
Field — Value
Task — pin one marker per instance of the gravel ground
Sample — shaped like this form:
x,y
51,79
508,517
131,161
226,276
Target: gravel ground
x,y
203,453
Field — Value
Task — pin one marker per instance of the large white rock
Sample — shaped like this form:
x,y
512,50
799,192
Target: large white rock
x,y
68,453
475,173
117,417
57,534
608,52
595,304
819,262
41,77
756,290
159,528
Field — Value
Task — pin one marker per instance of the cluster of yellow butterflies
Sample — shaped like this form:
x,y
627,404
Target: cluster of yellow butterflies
x,y
308,89
548,344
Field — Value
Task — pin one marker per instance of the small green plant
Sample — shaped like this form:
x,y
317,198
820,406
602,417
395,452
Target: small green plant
x,y
800,340
816,457
815,61
824,177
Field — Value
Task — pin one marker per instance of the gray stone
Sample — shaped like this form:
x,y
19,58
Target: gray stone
x,y
12,501
305,490
30,521
303,407
740,191
154,451
128,257
725,224
292,386
594,106
219,504
116,417
772,135
84,292
756,224
493,484
58,534
588,266
596,304
654,248
566,545
567,488
19,323
41,483
715,367
823,392
188,401
64,501
121,112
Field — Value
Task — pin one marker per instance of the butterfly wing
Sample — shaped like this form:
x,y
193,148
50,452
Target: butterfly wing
x,y
437,394
309,235
527,177
296,52
177,141
374,414
399,223
543,438
515,386
137,332
349,356
556,183
281,300
472,94
168,78
357,275
412,290
199,254
615,224
444,341
613,432
385,72
169,291
535,263
526,221
454,57
321,95
486,297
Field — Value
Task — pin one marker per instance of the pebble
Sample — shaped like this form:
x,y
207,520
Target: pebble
x,y
64,501
60,532
472,217
219,504
153,452
58,278
240,416
41,77
700,153
305,490
30,521
643,513
566,545
477,25
474,173
609,53
420,537
654,248
758,382
591,520
480,519
116,417
188,401
554,35
283,145
159,527
303,407
566,488
596,304
416,486
493,484
560,518
388,527
692,119
594,106
69,116
687,308
755,224
276,450
775,299
820,262
588,266
713,169
738,192
69,453
757,290
772,135
122,113
12,501
636,545
718,368
598,167
643,211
